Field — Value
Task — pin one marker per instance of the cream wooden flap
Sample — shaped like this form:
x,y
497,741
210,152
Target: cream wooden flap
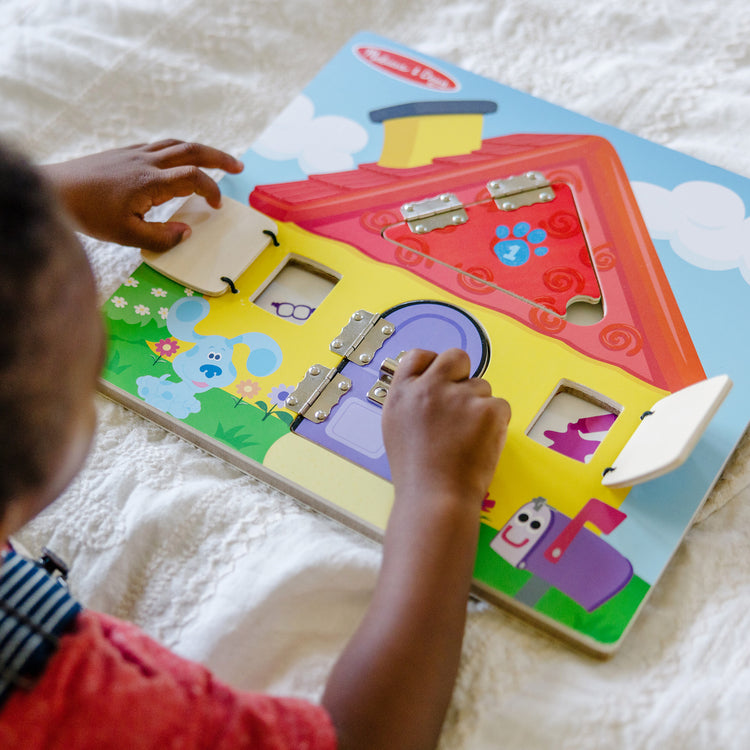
x,y
223,243
667,435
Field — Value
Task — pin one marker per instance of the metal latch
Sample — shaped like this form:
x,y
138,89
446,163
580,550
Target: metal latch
x,y
361,337
444,210
520,190
318,392
379,392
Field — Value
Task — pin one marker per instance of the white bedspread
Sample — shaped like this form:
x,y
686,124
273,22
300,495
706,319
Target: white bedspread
x,y
227,571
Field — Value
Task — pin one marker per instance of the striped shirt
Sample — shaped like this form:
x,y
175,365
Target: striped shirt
x,y
35,610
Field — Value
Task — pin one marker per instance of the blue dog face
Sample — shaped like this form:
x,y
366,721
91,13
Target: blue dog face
x,y
207,365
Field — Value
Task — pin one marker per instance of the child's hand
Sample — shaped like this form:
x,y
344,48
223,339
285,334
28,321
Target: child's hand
x,y
442,428
443,432
109,193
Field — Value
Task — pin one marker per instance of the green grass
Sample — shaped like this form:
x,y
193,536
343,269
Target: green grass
x,y
250,428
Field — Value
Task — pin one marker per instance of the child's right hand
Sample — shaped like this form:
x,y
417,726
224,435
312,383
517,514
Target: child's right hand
x,y
441,427
443,432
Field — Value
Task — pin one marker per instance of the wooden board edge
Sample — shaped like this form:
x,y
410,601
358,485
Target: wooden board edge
x,y
239,461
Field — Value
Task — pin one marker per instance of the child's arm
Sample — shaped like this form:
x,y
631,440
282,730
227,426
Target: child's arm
x,y
109,193
443,432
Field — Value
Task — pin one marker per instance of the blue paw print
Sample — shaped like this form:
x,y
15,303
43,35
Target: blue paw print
x,y
516,250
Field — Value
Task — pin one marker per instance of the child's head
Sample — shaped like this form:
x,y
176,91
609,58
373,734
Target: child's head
x,y
51,345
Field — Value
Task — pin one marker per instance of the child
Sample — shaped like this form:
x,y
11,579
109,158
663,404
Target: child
x,y
94,681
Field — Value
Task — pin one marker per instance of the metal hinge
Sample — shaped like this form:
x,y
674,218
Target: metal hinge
x,y
444,210
318,392
520,190
361,337
321,389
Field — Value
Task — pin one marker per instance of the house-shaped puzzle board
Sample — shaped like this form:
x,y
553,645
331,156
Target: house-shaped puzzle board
x,y
600,282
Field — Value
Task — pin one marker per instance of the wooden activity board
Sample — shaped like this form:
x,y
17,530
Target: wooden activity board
x,y
598,281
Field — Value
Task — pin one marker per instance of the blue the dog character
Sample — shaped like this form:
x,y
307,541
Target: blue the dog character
x,y
206,365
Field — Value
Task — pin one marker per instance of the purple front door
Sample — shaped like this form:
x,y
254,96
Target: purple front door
x,y
353,428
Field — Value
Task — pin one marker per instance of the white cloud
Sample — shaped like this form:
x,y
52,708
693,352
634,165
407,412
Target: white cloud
x,y
705,223
320,144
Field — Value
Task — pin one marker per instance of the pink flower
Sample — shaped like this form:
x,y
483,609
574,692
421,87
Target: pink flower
x,y
167,347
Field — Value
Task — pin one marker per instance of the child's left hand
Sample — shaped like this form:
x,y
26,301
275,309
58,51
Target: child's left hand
x,y
109,193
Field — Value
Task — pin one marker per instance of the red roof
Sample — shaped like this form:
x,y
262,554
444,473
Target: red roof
x,y
642,330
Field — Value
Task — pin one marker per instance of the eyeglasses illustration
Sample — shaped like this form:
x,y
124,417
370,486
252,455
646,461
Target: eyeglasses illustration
x,y
289,310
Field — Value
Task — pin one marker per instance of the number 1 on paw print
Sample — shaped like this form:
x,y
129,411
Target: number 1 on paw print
x,y
516,250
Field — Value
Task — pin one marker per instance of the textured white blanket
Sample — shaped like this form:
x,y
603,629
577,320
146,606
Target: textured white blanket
x,y
232,573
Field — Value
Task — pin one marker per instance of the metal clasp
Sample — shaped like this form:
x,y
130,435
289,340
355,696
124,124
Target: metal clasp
x,y
379,392
52,564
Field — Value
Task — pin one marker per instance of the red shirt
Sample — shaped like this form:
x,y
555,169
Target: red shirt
x,y
109,685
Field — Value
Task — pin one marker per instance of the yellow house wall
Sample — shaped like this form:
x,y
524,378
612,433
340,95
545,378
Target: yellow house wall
x,y
525,368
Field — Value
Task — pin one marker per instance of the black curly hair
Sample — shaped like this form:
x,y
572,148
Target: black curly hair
x,y
45,286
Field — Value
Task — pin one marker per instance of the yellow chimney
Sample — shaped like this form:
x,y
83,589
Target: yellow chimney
x,y
418,132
